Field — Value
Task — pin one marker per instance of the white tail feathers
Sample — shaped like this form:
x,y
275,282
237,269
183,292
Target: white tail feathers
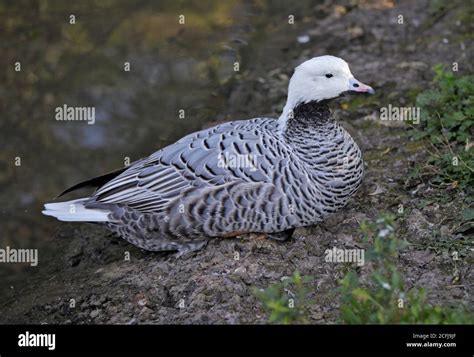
x,y
74,211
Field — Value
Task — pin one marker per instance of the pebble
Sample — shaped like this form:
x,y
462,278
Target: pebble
x,y
94,313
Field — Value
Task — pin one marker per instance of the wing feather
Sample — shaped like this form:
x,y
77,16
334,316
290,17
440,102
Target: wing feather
x,y
191,163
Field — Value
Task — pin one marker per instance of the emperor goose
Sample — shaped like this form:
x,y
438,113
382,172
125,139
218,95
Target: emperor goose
x,y
248,176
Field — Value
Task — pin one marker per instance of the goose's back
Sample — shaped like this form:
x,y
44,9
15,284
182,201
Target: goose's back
x,y
234,177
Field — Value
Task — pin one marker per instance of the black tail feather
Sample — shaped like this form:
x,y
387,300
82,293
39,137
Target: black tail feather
x,y
94,182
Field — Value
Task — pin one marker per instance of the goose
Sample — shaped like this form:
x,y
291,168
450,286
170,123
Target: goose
x,y
263,175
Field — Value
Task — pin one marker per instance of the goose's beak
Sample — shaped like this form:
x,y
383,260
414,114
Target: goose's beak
x,y
356,86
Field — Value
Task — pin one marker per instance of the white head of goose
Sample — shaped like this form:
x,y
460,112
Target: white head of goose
x,y
321,78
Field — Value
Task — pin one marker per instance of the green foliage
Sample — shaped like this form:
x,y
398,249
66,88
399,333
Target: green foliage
x,y
286,301
447,125
385,300
468,214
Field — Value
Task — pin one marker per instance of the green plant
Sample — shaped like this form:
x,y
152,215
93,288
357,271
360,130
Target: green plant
x,y
286,301
385,300
447,126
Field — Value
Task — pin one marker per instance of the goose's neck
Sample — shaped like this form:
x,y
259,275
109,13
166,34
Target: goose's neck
x,y
306,120
312,133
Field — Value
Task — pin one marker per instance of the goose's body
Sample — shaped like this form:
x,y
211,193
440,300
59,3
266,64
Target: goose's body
x,y
261,175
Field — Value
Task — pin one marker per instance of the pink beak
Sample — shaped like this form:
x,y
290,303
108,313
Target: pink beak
x,y
359,87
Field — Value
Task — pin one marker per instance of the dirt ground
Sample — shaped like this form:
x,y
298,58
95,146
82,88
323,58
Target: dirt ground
x,y
211,286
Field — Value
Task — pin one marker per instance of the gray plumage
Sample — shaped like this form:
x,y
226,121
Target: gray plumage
x,y
261,175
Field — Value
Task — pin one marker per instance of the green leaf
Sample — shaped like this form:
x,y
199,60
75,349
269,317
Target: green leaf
x,y
468,214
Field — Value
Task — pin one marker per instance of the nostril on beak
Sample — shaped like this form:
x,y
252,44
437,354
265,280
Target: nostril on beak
x,y
359,87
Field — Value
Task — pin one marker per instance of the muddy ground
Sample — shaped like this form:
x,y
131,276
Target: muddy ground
x,y
211,286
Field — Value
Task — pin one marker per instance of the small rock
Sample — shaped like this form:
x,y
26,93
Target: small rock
x,y
146,312
445,231
355,32
97,300
240,270
303,39
94,313
378,190
235,300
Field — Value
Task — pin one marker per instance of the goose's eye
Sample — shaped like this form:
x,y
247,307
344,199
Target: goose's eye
x,y
328,75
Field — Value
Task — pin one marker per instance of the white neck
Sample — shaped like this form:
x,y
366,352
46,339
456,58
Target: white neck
x,y
283,119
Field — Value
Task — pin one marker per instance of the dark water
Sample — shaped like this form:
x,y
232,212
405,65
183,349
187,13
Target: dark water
x,y
173,67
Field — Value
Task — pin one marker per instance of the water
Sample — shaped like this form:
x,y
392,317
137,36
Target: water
x,y
174,67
